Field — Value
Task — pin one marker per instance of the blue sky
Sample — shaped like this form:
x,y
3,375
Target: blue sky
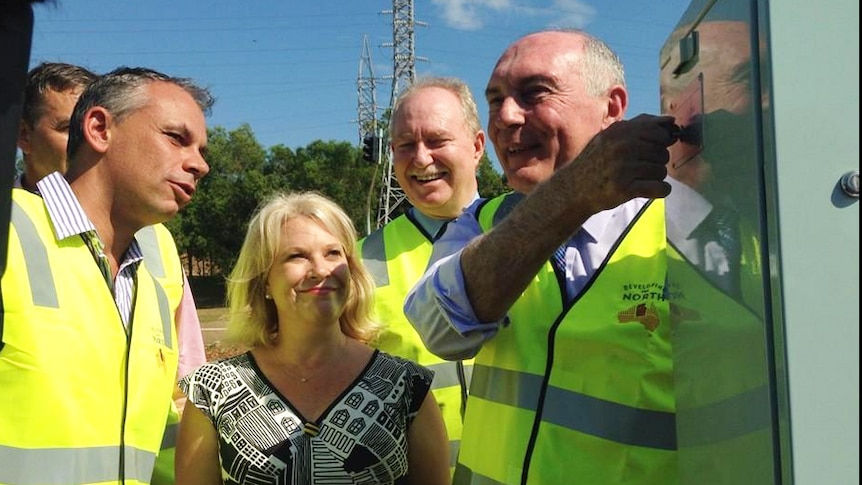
x,y
289,68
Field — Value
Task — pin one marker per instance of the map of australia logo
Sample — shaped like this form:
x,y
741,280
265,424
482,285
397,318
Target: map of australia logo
x,y
646,315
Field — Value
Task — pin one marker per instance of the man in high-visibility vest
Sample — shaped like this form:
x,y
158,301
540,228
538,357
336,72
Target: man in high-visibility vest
x,y
437,143
88,346
557,289
50,95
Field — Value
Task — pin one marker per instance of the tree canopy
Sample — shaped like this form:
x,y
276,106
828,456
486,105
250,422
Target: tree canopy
x,y
210,230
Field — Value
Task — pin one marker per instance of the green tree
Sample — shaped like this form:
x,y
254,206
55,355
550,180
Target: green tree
x,y
491,183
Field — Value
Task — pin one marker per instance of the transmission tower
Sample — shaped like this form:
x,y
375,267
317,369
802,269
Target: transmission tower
x,y
403,74
366,90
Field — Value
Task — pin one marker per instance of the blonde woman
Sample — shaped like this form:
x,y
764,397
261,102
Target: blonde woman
x,y
311,402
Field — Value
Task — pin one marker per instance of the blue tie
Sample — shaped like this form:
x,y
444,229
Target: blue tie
x,y
559,260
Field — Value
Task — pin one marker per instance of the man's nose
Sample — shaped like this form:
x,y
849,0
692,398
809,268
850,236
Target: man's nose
x,y
510,113
422,157
197,165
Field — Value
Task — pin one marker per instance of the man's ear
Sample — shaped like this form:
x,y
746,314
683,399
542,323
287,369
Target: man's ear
x,y
479,146
24,138
97,128
618,101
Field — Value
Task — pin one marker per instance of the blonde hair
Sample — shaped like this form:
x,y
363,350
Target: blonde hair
x,y
253,318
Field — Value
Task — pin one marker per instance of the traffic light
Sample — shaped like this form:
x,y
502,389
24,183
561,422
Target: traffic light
x,y
371,148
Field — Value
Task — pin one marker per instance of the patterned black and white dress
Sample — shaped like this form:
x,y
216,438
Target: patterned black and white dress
x,y
360,439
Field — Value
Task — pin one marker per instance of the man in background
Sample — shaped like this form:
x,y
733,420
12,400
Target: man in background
x,y
437,143
50,95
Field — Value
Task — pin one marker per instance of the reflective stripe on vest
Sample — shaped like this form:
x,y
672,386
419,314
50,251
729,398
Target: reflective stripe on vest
x,y
153,258
576,411
163,471
97,465
35,258
374,258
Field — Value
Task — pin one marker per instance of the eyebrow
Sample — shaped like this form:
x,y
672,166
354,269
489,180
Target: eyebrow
x,y
532,79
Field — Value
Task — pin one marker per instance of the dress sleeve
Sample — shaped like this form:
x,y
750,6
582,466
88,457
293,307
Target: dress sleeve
x,y
201,388
419,380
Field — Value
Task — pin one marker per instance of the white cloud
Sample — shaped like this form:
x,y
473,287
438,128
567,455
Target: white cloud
x,y
572,13
473,14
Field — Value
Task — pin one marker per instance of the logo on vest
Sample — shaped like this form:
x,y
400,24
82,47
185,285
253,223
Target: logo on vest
x,y
158,335
646,315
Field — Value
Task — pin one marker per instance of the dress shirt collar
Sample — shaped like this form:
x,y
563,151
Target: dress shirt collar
x,y
66,213
432,225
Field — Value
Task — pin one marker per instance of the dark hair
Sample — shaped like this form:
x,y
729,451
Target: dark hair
x,y
121,92
51,76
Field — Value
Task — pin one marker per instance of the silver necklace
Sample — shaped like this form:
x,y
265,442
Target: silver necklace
x,y
296,376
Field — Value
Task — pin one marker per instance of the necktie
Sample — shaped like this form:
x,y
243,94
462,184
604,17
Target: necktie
x,y
559,260
569,265
98,249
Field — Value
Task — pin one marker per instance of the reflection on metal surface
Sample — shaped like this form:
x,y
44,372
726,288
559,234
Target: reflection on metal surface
x,y
715,269
687,110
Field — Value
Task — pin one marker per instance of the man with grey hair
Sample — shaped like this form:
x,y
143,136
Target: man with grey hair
x,y
437,145
557,289
88,347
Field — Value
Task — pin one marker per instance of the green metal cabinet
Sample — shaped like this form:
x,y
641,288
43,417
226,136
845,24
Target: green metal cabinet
x,y
766,321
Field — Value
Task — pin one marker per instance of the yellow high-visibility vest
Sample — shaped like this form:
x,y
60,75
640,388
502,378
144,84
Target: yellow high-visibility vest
x,y
397,255
81,400
578,392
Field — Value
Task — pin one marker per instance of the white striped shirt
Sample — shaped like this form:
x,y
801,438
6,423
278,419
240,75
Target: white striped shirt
x,y
70,220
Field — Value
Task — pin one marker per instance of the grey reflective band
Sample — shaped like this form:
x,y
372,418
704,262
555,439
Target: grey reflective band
x,y
506,387
445,374
609,420
165,313
149,244
578,412
374,258
169,439
466,476
731,418
42,289
454,446
73,466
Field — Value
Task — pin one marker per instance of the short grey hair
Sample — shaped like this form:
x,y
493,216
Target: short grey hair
x,y
601,68
121,93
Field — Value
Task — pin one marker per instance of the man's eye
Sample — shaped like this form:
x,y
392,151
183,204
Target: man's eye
x,y
534,93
